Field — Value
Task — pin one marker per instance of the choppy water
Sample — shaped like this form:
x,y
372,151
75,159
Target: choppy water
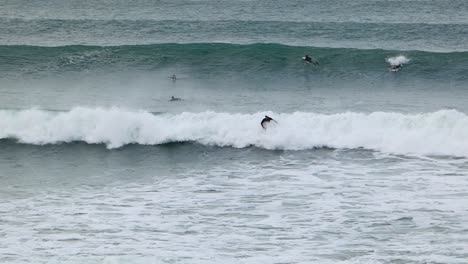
x,y
364,165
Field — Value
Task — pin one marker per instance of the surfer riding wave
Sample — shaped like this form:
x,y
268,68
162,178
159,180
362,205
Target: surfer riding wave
x,y
266,121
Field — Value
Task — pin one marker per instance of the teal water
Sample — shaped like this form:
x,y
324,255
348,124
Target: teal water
x,y
364,165
421,25
207,60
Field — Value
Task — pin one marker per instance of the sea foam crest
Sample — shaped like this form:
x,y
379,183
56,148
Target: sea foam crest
x,y
397,60
437,133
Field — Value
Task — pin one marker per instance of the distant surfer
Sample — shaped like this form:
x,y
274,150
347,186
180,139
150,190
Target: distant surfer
x,y
395,68
266,120
175,99
309,60
173,77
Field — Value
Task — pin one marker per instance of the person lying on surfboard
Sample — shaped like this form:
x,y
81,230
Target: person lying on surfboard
x,y
308,59
175,99
266,120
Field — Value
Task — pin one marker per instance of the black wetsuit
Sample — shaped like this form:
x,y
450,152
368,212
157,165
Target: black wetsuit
x,y
307,59
267,119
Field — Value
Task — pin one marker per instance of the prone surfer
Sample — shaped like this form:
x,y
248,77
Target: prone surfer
x,y
175,99
266,120
308,59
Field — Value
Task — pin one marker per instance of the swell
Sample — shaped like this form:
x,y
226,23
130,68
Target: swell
x,y
302,21
402,36
220,58
436,133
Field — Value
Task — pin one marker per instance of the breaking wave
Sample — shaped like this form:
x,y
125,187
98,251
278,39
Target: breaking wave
x,y
397,60
437,133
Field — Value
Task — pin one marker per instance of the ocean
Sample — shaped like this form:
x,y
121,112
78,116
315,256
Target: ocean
x,y
364,165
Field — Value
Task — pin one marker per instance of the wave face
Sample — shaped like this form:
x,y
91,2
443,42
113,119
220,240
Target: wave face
x,y
221,59
438,133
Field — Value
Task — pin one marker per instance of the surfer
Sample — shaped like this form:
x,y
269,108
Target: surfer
x,y
173,77
395,67
266,120
175,99
308,59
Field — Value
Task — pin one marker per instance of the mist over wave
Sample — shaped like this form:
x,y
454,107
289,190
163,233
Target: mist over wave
x,y
438,133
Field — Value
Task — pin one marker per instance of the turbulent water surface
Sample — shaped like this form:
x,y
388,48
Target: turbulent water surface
x,y
364,165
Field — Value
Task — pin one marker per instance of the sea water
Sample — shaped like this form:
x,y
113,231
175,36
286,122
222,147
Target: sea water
x,y
97,165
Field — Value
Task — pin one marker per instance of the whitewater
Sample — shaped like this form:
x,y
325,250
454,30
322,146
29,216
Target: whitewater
x,y
364,165
388,132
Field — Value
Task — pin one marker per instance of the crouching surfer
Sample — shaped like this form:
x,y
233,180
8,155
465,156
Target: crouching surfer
x,y
266,120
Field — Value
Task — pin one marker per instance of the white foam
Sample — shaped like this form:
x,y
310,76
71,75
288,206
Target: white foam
x,y
397,60
439,133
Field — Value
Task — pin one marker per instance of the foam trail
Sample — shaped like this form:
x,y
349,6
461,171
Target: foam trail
x,y
397,60
438,133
